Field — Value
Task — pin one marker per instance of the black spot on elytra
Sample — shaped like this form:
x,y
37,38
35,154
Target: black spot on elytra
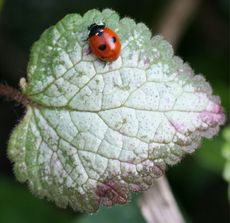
x,y
102,47
114,39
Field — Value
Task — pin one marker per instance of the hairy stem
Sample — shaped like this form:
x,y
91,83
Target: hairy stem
x,y
13,94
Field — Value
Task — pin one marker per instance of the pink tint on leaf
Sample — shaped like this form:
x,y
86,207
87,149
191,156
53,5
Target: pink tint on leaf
x,y
86,51
214,115
111,193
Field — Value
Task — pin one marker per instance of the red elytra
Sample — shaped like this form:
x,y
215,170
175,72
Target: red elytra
x,y
104,43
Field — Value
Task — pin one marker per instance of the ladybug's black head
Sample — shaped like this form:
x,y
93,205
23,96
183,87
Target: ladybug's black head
x,y
95,29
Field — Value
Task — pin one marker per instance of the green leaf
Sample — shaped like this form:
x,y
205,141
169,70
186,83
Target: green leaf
x,y
95,133
209,155
1,4
127,213
19,206
226,155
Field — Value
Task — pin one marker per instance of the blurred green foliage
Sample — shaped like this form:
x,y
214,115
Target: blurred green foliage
x,y
18,205
226,155
126,213
209,155
1,4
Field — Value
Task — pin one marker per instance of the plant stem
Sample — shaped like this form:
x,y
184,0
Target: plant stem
x,y
158,204
176,18
14,95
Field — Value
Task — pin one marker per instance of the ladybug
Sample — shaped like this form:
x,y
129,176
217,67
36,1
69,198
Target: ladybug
x,y
104,42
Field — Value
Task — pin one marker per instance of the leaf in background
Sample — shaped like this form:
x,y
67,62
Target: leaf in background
x,y
226,154
126,213
19,206
1,4
95,133
209,155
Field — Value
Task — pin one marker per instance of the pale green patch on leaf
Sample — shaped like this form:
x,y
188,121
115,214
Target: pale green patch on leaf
x,y
226,155
95,133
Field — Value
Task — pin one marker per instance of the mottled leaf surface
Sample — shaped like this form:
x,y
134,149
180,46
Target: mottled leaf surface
x,y
94,133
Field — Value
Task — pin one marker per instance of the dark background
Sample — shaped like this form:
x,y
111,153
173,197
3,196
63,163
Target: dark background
x,y
197,181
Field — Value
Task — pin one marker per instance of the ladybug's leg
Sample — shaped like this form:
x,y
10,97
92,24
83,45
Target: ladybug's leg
x,y
106,62
103,62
